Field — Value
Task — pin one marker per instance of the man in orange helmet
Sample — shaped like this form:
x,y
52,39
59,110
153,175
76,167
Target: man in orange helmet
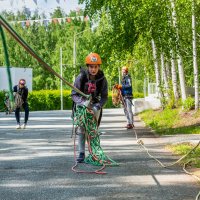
x,y
90,81
126,91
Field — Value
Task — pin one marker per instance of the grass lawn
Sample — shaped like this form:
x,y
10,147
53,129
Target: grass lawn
x,y
172,121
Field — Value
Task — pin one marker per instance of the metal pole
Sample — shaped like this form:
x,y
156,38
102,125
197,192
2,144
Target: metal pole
x,y
119,75
61,82
7,62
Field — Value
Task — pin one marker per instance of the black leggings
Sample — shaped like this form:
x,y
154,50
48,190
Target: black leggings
x,y
26,110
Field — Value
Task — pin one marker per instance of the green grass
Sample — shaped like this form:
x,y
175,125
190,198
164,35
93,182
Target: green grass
x,y
164,122
181,149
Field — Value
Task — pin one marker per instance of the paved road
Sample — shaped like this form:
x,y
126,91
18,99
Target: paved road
x,y
35,164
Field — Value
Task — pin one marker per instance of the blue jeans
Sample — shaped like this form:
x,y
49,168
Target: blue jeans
x,y
26,110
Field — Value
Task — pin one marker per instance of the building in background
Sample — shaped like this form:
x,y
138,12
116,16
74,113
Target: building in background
x,y
16,75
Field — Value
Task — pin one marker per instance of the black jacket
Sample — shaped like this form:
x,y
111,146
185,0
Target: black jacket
x,y
22,91
98,90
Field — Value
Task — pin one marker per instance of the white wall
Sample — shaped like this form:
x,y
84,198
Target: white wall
x,y
145,104
16,75
149,102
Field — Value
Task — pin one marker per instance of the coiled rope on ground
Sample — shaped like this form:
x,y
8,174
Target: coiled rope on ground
x,y
84,117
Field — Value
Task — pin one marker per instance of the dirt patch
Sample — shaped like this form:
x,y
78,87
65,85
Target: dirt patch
x,y
190,118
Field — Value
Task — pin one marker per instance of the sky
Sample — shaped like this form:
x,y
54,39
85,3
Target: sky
x,y
46,6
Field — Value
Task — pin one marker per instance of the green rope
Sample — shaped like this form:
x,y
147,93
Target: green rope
x,y
7,66
84,118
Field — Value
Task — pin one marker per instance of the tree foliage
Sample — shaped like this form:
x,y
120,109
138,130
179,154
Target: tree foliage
x,y
122,37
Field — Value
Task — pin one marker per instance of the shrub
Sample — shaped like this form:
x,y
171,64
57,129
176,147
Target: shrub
x,y
2,96
137,95
49,100
189,103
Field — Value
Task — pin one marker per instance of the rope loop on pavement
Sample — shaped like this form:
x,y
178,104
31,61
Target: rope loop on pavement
x,y
140,142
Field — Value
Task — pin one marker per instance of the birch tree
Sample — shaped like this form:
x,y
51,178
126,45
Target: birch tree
x,y
195,65
164,75
179,57
174,77
156,66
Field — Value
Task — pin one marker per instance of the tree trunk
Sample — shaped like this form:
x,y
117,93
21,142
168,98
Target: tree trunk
x,y
179,57
168,71
157,71
195,65
174,77
164,76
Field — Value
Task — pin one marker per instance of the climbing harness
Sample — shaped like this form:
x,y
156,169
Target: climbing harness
x,y
84,117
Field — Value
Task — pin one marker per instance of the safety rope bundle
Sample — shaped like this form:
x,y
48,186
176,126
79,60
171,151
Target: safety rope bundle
x,y
8,104
83,117
18,100
116,96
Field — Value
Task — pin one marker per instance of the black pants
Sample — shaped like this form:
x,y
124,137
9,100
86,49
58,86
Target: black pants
x,y
26,110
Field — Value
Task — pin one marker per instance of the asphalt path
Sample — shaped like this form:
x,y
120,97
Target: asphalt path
x,y
36,163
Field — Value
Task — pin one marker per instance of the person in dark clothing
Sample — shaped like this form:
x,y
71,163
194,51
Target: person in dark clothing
x,y
90,81
21,100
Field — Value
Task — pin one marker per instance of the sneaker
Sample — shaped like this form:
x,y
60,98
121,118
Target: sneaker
x,y
81,158
24,126
129,126
18,126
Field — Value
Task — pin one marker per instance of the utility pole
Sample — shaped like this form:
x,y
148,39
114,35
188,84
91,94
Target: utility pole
x,y
119,75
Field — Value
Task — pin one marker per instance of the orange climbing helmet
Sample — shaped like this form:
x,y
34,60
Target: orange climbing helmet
x,y
125,68
93,58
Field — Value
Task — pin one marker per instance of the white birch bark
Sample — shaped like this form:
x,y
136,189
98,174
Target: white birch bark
x,y
168,71
195,65
164,75
179,57
174,77
157,71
